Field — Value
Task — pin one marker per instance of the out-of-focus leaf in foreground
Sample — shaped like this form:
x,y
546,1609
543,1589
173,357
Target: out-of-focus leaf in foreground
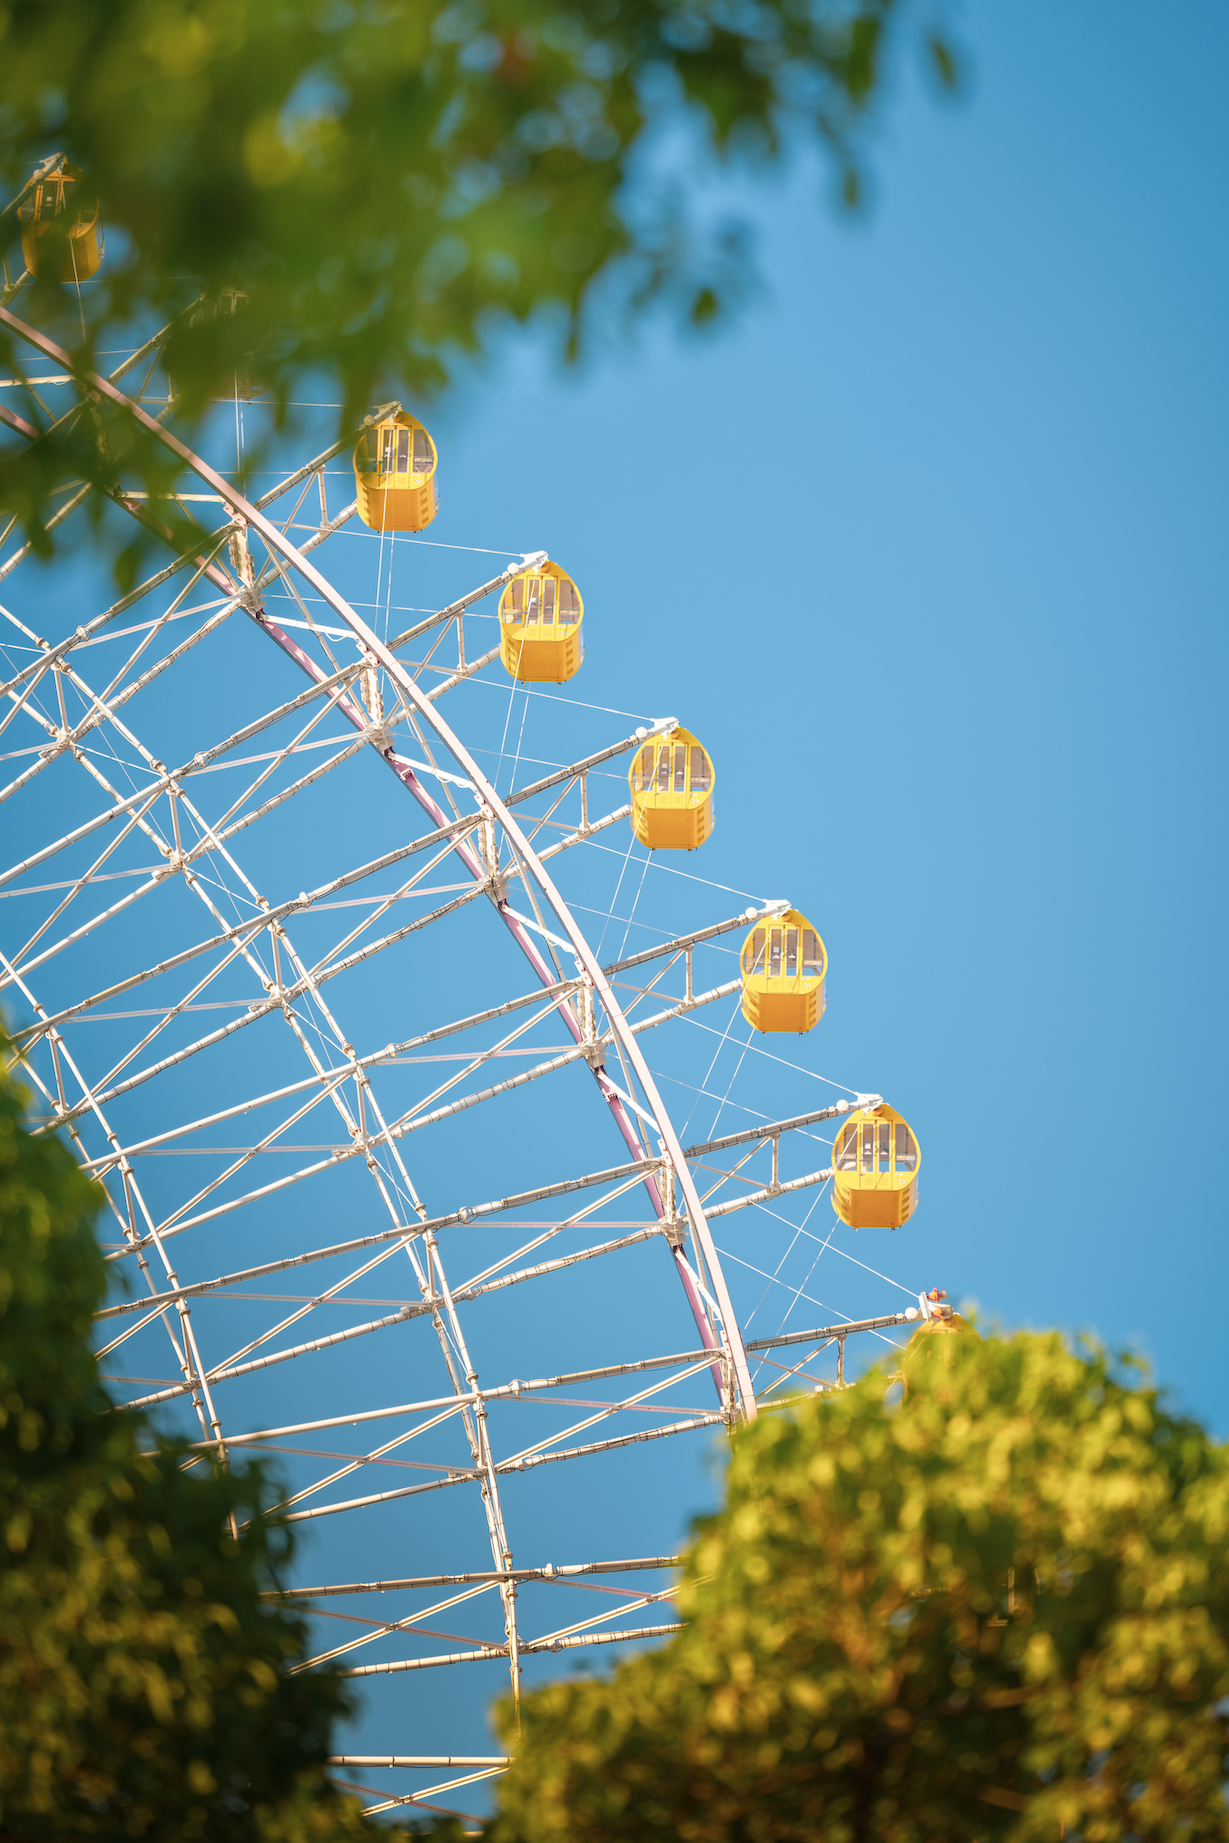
x,y
372,187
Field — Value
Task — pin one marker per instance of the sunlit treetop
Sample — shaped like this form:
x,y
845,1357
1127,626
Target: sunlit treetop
x,y
989,1608
383,185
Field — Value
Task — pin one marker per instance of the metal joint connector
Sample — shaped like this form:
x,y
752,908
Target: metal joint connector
x,y
674,1228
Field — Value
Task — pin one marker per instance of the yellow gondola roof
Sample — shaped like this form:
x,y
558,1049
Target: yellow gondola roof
x,y
518,603
396,444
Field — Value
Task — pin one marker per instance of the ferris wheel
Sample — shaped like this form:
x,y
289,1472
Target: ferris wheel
x,y
300,963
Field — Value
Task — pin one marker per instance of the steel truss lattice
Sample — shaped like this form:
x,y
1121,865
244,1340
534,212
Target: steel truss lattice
x,y
211,1053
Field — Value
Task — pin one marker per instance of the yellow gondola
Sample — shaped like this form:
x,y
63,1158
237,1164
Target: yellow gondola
x,y
933,1349
783,966
671,781
540,613
75,252
226,304
875,1161
394,472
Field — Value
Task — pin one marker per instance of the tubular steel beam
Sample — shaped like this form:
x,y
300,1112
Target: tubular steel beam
x,y
162,782
488,1652
510,1390
550,1572
684,941
826,1333
460,1294
388,1054
658,726
253,925
450,613
473,1212
772,1127
469,1213
83,634
420,1759
772,1190
506,1467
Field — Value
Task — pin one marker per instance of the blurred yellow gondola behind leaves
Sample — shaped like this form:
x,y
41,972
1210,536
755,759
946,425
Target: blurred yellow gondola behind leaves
x,y
61,227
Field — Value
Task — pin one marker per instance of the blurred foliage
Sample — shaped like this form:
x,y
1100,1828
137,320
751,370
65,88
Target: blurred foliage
x,y
143,1686
997,1609
385,182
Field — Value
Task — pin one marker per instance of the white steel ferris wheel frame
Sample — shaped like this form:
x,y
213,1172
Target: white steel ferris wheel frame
x,y
666,1175
246,516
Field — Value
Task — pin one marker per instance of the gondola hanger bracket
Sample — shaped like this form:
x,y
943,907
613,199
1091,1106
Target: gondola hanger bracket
x,y
674,1228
